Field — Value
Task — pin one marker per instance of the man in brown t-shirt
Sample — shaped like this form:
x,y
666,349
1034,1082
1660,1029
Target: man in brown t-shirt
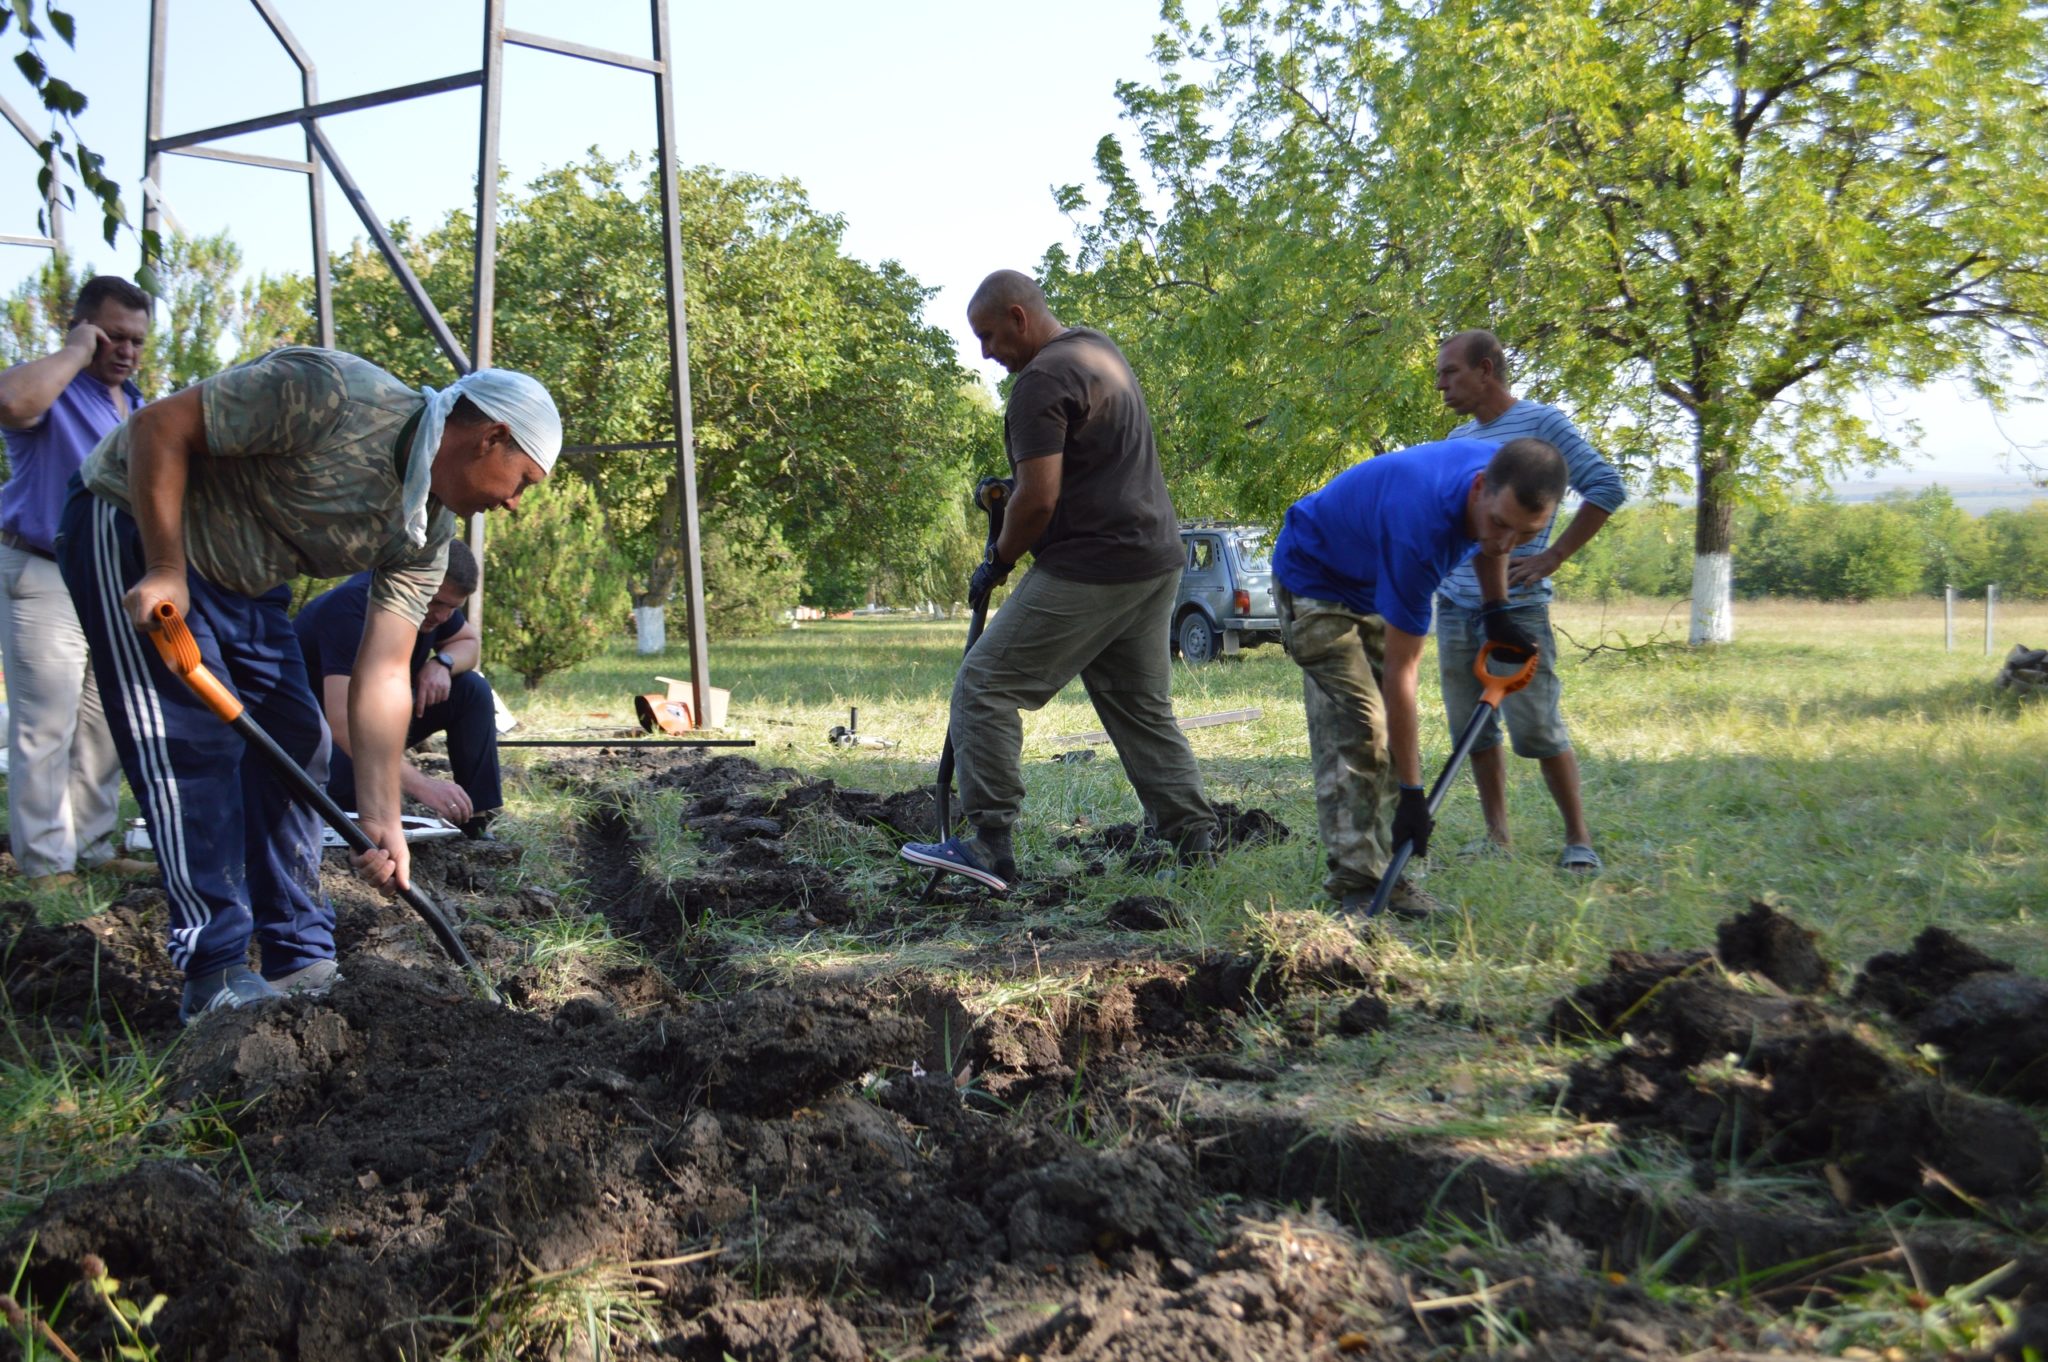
x,y
1092,509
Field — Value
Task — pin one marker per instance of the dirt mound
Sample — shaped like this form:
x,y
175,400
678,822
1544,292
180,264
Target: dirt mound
x,y
109,966
1736,1075
1992,1030
1599,1009
1294,1288
1906,983
1237,827
1142,913
771,1052
785,1327
169,1229
1764,941
910,815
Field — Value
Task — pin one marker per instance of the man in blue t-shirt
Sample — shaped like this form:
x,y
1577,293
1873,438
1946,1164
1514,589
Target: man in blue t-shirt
x,y
449,695
1356,567
1471,373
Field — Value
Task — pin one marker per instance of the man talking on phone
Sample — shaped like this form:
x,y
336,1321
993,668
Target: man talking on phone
x,y
63,774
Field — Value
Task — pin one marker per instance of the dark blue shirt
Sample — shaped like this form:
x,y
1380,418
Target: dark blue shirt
x,y
44,456
1382,534
330,630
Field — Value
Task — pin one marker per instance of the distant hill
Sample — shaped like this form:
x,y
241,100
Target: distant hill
x,y
1975,495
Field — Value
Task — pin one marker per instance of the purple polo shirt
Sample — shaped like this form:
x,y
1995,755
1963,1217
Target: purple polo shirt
x,y
45,456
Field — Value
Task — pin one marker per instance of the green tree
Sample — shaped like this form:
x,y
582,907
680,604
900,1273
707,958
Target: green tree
x,y
823,405
2019,550
558,585
1955,549
198,279
64,102
36,317
1711,224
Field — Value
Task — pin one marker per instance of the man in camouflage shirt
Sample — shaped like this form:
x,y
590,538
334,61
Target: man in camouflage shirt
x,y
308,462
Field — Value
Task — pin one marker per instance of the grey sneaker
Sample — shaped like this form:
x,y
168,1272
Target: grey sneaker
x,y
311,980
235,986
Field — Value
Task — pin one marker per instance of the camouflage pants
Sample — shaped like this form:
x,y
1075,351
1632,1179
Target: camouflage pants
x,y
1342,655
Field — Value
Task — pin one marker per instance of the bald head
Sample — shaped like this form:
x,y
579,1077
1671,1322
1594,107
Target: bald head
x,y
1006,289
1011,319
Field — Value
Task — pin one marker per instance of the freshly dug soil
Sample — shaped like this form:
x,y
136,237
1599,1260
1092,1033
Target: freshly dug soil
x,y
854,1166
1737,1075
1764,941
1906,983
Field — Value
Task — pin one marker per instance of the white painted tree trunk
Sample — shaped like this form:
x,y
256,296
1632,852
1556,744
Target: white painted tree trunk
x,y
650,628
1713,603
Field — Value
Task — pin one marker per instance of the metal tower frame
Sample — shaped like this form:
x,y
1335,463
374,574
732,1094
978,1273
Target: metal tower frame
x,y
53,200
321,160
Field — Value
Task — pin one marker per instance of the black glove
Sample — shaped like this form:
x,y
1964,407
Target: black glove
x,y
1412,822
1503,630
991,574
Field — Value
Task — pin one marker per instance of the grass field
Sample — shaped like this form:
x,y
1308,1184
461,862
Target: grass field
x,y
1835,761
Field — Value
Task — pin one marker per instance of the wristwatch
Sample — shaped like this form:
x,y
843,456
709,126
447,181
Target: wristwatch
x,y
440,655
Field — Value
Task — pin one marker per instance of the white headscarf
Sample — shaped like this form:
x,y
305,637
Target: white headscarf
x,y
517,399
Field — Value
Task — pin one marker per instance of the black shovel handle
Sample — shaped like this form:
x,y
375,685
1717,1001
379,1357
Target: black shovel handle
x,y
1494,689
180,652
991,495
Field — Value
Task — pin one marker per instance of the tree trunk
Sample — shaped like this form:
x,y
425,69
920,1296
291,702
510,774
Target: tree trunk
x,y
650,629
1713,575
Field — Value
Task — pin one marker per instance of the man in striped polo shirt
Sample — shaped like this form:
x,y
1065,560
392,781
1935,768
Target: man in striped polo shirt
x,y
1471,373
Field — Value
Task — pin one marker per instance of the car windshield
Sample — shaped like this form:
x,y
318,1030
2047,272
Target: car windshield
x,y
1253,553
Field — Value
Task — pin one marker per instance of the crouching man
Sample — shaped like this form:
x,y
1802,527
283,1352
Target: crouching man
x,y
449,695
1357,564
305,462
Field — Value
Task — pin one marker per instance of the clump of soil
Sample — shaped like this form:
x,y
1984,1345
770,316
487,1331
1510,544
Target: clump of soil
x,y
1236,827
1736,1074
1142,913
1906,983
1600,1009
1764,941
108,966
1989,1022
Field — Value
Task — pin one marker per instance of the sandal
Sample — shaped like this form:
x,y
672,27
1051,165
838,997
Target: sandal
x,y
1580,859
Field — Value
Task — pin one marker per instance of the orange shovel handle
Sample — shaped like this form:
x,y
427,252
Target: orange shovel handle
x,y
180,652
1499,688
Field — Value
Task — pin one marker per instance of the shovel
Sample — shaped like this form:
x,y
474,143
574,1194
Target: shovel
x,y
1494,689
990,494
180,652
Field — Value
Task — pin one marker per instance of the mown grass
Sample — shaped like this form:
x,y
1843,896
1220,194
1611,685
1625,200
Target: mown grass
x,y
1834,759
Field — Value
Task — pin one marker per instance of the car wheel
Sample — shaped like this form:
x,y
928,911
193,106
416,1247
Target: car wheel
x,y
1197,638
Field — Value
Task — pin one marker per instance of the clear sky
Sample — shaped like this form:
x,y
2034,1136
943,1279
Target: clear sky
x,y
937,128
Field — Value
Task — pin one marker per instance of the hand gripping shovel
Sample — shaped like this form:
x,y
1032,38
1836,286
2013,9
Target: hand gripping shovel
x,y
1494,690
991,495
180,652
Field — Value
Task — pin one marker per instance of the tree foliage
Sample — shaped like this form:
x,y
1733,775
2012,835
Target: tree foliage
x,y
558,584
823,404
1707,225
1898,545
64,102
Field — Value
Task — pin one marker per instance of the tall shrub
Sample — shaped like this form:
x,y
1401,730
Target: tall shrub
x,y
557,582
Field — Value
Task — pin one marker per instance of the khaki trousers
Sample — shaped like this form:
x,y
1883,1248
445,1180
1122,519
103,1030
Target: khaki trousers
x,y
63,774
1114,637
